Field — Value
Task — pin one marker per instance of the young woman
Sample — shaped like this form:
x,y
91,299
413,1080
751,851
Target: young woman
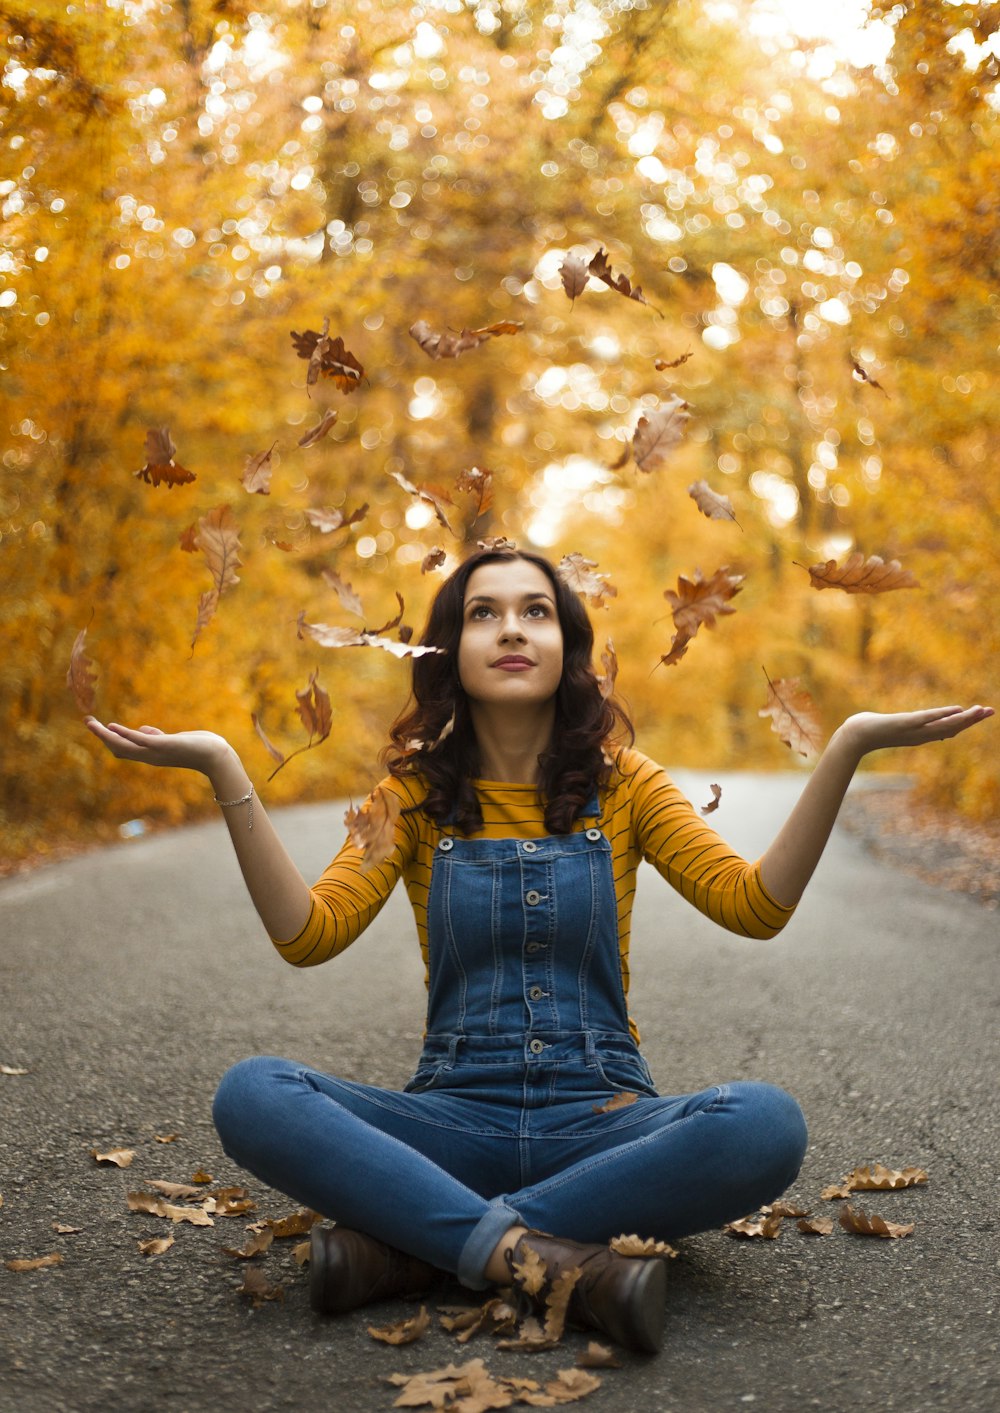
x,y
520,833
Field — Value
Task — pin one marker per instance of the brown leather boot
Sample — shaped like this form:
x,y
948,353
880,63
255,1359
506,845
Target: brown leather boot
x,y
624,1296
348,1269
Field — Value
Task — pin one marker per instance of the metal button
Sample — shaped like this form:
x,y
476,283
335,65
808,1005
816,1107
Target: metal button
x,y
593,834
532,897
529,847
446,844
536,993
536,1047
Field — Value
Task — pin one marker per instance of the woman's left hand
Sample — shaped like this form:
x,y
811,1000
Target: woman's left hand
x,y
871,730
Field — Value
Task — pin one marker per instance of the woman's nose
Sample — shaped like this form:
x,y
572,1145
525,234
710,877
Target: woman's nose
x,y
510,627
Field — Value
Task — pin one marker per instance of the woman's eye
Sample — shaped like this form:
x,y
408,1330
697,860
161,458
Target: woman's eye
x,y
539,609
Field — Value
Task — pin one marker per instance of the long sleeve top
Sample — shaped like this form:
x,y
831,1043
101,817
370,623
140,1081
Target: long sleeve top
x,y
643,814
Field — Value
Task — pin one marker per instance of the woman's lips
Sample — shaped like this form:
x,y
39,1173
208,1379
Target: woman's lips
x,y
513,664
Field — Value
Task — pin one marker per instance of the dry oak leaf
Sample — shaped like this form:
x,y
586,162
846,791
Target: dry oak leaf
x,y
661,364
160,465
61,1229
372,828
402,1331
794,716
699,601
657,435
601,270
219,541
568,1386
12,1069
315,711
783,1209
617,1101
202,1177
769,1226
858,575
477,482
256,1288
269,745
576,572
815,1226
879,1178
156,1245
300,1253
713,803
256,478
254,1247
710,503
320,430
433,560
178,1191
433,496
188,539
597,1356
295,1224
530,1273
609,661
530,1337
38,1263
330,636
852,1219
450,345
496,542
329,358
414,745
120,1157
80,678
633,1245
330,519
345,593
165,1137
574,274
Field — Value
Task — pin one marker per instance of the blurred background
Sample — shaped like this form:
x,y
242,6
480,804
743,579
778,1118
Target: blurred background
x,y
806,195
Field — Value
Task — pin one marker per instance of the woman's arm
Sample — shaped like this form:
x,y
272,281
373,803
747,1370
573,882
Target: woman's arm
x,y
788,864
278,891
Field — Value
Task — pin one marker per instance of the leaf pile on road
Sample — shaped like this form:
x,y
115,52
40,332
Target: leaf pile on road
x,y
876,1177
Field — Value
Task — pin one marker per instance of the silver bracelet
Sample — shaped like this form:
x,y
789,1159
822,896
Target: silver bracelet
x,y
246,800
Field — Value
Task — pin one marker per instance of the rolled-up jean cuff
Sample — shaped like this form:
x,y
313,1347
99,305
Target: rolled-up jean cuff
x,y
497,1219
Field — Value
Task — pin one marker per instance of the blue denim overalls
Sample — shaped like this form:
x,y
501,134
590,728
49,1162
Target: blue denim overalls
x,y
505,1121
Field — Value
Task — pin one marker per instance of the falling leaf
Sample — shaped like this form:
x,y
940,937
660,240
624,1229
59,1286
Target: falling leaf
x,y
657,435
254,1247
434,560
576,572
861,576
402,1331
372,828
601,270
769,1226
257,472
320,430
617,1101
496,542
12,1070
477,482
272,749
188,539
713,803
256,1287
219,542
330,519
661,364
794,716
315,711
160,465
121,1157
864,377
442,735
80,679
37,1264
156,1245
815,1226
710,503
330,636
574,275
854,1220
430,495
348,598
641,1246
698,601
328,358
597,1356
450,345
609,661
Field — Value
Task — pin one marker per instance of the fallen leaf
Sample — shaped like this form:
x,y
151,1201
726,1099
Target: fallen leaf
x,y
609,661
837,1189
530,1337
156,1245
529,1273
37,1264
601,270
617,1101
300,1253
783,1209
576,572
794,716
320,430
574,275
256,1287
450,345
853,1219
80,679
815,1226
160,467
433,560
858,575
557,1302
633,1245
62,1230
769,1226
120,1157
13,1069
256,478
597,1356
332,518
201,1177
254,1247
710,503
657,435
296,1224
328,358
193,1215
402,1331
713,803
344,592
145,1202
882,1179
165,1137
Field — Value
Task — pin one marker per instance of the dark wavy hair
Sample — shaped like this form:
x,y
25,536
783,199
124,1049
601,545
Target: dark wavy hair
x,y
585,722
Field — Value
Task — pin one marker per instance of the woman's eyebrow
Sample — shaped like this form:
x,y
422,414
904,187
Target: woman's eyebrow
x,y
525,598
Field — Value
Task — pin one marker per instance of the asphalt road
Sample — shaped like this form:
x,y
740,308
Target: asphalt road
x,y
132,977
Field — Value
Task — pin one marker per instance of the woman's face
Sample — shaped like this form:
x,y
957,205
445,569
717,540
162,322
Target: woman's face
x,y
511,649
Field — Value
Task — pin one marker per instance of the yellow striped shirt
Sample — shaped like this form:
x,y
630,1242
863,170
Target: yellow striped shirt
x,y
643,814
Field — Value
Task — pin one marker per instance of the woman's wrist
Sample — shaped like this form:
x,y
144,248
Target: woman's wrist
x,y
227,775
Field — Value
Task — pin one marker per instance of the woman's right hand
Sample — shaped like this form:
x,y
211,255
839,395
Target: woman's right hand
x,y
192,750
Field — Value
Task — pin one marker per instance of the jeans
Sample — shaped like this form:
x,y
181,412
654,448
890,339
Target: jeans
x,y
445,1168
